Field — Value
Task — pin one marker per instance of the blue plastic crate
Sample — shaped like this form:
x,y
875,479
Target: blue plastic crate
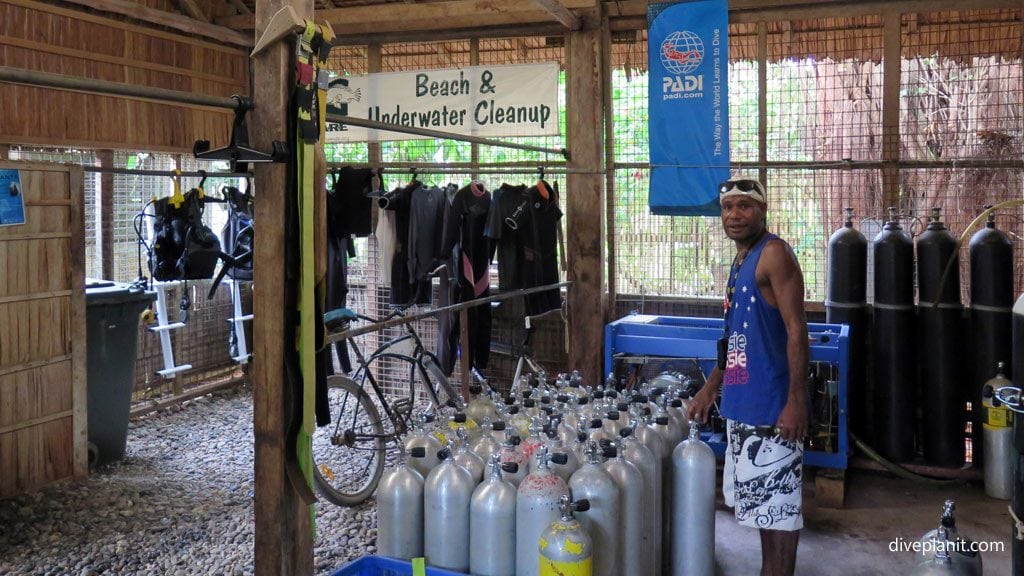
x,y
381,566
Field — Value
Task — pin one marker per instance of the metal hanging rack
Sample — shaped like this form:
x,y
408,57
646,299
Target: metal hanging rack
x,y
183,174
373,124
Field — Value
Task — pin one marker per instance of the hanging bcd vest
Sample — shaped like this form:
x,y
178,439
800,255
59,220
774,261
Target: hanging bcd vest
x,y
237,234
184,248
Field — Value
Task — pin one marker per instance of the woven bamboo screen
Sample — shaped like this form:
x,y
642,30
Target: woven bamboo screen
x,y
44,37
42,343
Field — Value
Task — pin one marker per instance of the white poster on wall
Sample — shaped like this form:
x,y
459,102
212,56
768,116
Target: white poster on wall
x,y
507,100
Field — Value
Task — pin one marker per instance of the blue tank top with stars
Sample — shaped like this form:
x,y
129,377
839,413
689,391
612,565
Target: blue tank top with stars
x,y
755,382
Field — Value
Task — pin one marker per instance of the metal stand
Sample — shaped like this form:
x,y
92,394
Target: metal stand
x,y
240,352
164,328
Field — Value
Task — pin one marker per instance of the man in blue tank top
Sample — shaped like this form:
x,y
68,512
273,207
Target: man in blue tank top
x,y
762,378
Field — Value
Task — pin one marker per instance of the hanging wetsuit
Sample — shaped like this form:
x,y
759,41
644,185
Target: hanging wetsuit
x,y
464,233
403,289
348,214
508,211
540,248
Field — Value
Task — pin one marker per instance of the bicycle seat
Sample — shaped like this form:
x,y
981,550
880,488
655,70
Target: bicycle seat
x,y
338,317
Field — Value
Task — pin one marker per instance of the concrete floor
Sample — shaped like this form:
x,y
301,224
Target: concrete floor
x,y
854,541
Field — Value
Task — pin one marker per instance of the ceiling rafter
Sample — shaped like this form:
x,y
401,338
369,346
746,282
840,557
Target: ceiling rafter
x,y
170,20
190,8
560,12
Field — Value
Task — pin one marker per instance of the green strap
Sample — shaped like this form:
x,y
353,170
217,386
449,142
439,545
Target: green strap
x,y
419,567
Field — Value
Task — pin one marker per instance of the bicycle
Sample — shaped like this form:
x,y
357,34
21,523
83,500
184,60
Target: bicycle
x,y
350,453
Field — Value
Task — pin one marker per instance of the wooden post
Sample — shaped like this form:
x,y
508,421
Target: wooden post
x,y
474,60
374,63
609,159
5,152
891,110
106,223
585,197
283,543
762,102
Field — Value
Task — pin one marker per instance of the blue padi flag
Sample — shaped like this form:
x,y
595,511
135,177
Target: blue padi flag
x,y
688,57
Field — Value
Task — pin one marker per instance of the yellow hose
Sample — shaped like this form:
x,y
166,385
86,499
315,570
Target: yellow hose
x,y
896,468
974,223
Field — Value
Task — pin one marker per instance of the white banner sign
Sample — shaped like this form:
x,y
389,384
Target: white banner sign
x,y
513,100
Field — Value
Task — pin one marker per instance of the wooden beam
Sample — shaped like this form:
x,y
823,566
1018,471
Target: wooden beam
x,y
283,542
585,198
240,6
106,206
891,40
428,16
193,11
175,21
544,29
560,12
631,14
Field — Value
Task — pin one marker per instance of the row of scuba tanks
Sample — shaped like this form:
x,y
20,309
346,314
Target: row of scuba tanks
x,y
577,481
919,385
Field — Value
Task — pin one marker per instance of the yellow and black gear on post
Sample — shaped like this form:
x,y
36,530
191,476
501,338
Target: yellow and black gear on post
x,y
312,49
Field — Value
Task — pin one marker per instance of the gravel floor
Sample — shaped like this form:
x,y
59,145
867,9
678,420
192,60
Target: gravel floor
x,y
180,503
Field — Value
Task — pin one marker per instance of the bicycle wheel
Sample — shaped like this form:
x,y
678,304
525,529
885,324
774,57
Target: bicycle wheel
x,y
348,453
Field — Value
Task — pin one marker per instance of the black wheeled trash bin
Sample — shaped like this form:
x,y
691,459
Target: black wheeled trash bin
x,y
112,332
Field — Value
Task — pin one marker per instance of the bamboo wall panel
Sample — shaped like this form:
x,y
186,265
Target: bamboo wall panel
x,y
35,36
42,332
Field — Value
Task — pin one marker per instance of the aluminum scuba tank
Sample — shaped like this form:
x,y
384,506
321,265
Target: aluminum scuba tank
x,y
480,405
519,422
510,453
400,510
962,558
579,448
613,423
554,445
999,453
650,533
668,428
534,441
597,433
665,380
536,508
420,438
460,420
603,520
693,507
492,520
466,458
662,426
486,444
565,547
676,408
446,496
630,482
939,562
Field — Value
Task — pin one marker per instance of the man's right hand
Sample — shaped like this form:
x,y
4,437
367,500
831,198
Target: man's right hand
x,y
701,403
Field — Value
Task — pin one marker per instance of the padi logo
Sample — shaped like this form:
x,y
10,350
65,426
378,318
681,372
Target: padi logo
x,y
681,54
